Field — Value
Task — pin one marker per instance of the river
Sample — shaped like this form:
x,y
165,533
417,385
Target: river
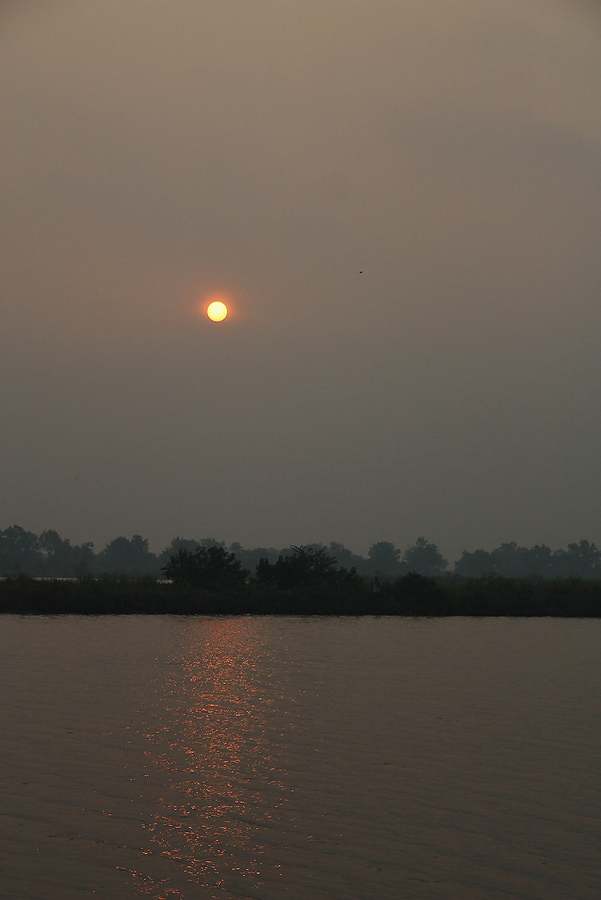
x,y
312,759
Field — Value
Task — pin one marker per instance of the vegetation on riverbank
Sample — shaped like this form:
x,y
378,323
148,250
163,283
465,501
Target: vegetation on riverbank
x,y
411,595
48,555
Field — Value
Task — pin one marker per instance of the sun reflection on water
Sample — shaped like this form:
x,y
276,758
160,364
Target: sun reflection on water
x,y
212,746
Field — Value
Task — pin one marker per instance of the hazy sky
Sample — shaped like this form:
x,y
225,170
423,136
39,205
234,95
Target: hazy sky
x,y
401,200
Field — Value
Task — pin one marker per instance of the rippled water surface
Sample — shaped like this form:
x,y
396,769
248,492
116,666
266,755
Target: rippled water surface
x,y
199,758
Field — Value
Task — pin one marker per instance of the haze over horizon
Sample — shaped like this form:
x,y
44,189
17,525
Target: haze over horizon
x,y
400,202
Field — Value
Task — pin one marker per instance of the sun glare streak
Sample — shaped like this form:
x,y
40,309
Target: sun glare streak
x,y
213,818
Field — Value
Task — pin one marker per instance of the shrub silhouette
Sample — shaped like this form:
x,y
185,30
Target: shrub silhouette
x,y
307,566
208,567
419,595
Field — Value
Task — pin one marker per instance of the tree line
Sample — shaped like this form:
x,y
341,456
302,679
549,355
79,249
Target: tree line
x,y
51,556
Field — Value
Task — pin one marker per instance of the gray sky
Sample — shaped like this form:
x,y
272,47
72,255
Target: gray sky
x,y
273,150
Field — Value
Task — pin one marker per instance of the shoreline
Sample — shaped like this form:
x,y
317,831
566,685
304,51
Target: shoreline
x,y
481,598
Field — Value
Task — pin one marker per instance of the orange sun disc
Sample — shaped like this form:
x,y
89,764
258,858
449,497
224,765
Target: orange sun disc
x,y
217,311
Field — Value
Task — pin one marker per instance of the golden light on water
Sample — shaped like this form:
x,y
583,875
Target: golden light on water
x,y
217,311
213,749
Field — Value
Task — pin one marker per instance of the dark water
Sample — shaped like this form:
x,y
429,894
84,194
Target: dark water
x,y
269,758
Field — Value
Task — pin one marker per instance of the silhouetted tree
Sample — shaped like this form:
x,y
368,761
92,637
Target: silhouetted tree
x,y
582,560
249,559
384,559
176,544
538,561
211,567
306,566
57,554
85,559
61,559
425,559
510,560
211,542
345,557
19,551
124,556
474,564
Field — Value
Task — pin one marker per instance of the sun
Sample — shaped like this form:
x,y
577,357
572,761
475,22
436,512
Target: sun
x,y
217,311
